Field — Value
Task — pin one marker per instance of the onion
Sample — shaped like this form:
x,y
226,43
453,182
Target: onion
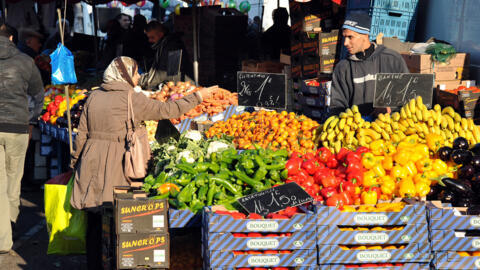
x,y
176,96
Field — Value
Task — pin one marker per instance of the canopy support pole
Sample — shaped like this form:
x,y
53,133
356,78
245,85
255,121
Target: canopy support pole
x,y
195,42
95,29
4,11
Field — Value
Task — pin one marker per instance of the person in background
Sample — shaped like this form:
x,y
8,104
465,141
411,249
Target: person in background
x,y
136,43
30,42
124,20
276,39
353,80
163,43
53,40
100,143
20,80
113,43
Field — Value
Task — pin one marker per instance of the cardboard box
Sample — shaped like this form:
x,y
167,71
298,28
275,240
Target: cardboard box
x,y
327,63
453,84
143,250
422,63
466,102
329,42
134,213
266,66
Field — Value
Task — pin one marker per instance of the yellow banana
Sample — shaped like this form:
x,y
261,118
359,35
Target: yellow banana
x,y
464,123
408,112
461,132
333,123
419,100
471,124
457,117
419,115
349,112
412,106
451,123
444,122
395,126
349,121
448,110
355,109
396,116
381,117
327,122
385,135
357,117
376,127
403,114
430,122
410,123
437,108
458,127
343,115
476,133
341,124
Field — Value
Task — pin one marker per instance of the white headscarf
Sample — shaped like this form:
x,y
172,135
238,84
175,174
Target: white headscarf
x,y
121,69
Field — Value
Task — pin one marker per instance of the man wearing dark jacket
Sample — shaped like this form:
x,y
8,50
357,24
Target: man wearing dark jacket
x,y
354,78
163,43
19,81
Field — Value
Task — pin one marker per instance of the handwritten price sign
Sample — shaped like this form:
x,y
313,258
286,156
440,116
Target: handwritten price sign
x,y
267,90
275,199
397,89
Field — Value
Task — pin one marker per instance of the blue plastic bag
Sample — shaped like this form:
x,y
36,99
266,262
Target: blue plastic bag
x,y
63,68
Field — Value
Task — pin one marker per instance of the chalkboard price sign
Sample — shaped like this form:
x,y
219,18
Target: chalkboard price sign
x,y
267,90
397,89
275,199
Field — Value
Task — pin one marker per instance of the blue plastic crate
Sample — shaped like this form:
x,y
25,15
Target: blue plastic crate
x,y
451,260
393,24
184,218
399,5
406,266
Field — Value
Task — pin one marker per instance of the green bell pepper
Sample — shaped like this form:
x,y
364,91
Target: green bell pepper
x,y
161,178
188,168
274,175
202,193
249,181
226,184
186,194
201,167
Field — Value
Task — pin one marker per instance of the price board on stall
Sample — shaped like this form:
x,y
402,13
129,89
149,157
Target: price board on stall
x,y
275,199
397,89
266,90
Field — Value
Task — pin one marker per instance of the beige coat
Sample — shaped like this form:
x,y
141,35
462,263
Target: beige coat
x,y
100,142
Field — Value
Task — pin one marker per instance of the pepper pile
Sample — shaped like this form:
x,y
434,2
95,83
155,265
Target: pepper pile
x,y
336,179
268,130
404,170
220,179
55,104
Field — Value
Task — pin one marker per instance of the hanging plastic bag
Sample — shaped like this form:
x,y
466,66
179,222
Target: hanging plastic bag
x,y
63,67
67,227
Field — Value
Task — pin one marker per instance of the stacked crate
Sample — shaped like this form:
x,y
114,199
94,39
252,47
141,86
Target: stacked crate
x,y
313,98
398,239
141,226
454,235
230,243
393,18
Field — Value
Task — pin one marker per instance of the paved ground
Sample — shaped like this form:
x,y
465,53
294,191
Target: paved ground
x,y
30,248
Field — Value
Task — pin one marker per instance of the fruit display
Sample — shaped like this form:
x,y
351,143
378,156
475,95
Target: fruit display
x,y
151,127
462,188
192,179
456,91
349,130
55,106
268,129
219,101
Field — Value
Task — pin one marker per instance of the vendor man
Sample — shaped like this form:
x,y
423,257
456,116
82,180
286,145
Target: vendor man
x,y
354,78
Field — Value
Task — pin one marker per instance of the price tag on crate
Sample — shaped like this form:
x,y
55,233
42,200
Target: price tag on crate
x,y
275,199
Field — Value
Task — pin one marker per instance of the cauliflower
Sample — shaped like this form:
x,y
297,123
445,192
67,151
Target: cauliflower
x,y
216,146
187,155
194,135
171,148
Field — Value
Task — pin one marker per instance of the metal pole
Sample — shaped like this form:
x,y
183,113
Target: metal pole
x,y
195,42
4,11
95,29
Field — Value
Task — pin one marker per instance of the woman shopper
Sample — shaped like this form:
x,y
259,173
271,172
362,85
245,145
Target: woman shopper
x,y
101,140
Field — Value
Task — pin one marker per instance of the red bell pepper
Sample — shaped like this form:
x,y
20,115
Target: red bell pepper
x,y
330,181
324,154
342,154
293,166
254,216
332,162
355,177
310,166
328,192
336,200
353,157
348,187
362,150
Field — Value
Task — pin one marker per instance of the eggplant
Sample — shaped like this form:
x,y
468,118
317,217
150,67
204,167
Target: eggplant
x,y
462,156
466,172
476,162
444,153
458,186
446,196
476,149
460,143
435,192
461,201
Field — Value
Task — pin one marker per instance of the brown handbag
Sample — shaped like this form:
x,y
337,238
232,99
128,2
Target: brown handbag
x,y
137,152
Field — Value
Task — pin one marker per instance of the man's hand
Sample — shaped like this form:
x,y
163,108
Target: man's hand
x,y
378,111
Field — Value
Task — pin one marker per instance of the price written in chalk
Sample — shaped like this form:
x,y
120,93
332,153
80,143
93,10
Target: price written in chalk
x,y
275,199
261,89
397,89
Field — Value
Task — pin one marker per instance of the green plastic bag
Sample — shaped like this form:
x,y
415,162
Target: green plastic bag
x,y
67,226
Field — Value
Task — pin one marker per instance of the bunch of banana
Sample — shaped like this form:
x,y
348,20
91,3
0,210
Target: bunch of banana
x,y
349,130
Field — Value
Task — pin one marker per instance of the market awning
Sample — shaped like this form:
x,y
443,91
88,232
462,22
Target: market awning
x,y
90,2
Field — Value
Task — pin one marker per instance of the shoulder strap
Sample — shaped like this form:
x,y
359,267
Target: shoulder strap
x,y
130,114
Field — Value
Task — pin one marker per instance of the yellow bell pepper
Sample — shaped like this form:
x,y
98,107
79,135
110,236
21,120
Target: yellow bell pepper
x,y
411,168
359,248
476,253
369,197
422,149
422,178
386,197
387,163
463,253
407,188
366,208
379,170
390,149
415,156
377,147
422,189
402,157
390,247
424,165
370,179
440,167
368,160
398,172
374,247
434,141
347,208
387,185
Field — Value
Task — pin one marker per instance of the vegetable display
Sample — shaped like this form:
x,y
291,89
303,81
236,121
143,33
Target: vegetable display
x,y
268,130
349,130
197,173
219,101
55,106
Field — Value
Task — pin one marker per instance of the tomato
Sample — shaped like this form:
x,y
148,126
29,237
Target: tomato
x,y
330,181
254,216
293,166
328,192
324,154
336,200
